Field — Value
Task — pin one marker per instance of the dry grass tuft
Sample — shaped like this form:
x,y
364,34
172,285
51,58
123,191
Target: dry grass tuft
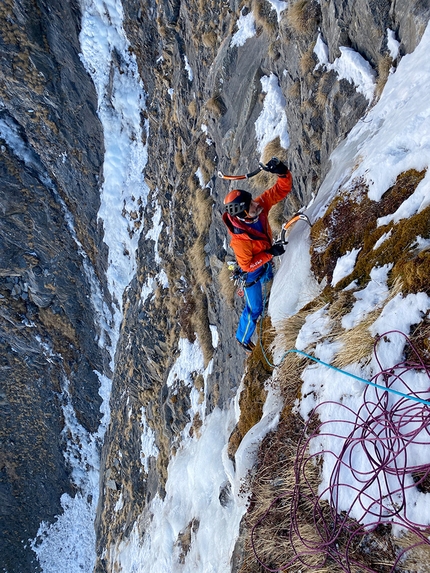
x,y
192,183
321,96
417,558
420,338
193,108
197,256
384,67
415,273
205,161
209,39
288,329
202,213
357,343
264,179
274,149
340,304
303,16
264,16
216,106
294,91
308,61
307,107
179,161
274,51
227,287
202,327
290,380
324,88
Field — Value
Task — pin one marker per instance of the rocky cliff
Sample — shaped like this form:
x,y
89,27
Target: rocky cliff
x,y
52,264
59,336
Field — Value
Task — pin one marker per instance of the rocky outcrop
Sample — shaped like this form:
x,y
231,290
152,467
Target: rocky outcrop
x,y
203,97
51,260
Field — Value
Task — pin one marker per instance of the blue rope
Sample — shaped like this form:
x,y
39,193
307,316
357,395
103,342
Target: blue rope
x,y
384,388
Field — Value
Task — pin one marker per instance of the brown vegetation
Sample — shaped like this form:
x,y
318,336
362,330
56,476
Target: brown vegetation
x,y
227,286
304,16
265,16
384,67
216,106
253,394
337,232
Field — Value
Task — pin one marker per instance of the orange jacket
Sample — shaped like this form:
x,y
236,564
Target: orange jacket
x,y
250,246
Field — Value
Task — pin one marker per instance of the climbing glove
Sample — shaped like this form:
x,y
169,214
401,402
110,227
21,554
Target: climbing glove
x,y
276,250
276,166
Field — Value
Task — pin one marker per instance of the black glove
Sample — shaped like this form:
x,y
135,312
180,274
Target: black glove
x,y
276,250
276,166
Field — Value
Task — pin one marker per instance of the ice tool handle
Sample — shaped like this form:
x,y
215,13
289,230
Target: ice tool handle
x,y
261,167
286,226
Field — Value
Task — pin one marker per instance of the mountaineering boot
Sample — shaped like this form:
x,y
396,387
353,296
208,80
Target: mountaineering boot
x,y
248,347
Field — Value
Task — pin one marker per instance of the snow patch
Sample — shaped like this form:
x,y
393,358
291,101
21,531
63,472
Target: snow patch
x,y
147,440
350,66
393,44
344,266
272,121
246,29
370,297
279,6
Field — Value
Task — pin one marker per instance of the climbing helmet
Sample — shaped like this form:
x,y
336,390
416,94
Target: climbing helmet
x,y
237,202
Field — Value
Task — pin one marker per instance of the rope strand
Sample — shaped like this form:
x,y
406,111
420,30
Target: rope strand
x,y
384,433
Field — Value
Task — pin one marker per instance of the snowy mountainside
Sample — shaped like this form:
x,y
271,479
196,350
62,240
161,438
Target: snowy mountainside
x,y
353,272
353,357
130,436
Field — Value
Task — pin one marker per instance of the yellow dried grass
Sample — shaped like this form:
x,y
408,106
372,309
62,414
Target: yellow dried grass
x,y
227,287
303,16
358,342
384,68
417,558
288,329
272,149
216,106
271,541
264,16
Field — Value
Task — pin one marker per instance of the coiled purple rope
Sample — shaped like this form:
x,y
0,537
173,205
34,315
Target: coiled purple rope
x,y
383,432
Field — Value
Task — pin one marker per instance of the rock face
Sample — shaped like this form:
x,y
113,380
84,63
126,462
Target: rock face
x,y
53,259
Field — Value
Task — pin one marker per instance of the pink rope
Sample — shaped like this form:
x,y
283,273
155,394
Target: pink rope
x,y
385,430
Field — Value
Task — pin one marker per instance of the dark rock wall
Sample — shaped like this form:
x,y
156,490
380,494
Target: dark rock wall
x,y
51,151
51,241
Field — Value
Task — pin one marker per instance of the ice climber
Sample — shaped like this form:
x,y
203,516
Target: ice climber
x,y
251,240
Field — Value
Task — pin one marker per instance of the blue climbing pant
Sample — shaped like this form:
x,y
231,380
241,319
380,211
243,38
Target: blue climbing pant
x,y
254,303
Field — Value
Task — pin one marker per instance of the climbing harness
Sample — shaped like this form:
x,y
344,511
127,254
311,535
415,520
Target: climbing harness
x,y
237,276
